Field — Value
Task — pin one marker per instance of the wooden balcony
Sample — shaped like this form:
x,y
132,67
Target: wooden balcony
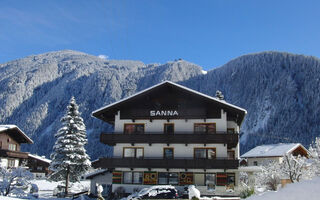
x,y
13,154
178,138
112,163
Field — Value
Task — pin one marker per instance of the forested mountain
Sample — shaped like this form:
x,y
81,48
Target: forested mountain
x,y
279,90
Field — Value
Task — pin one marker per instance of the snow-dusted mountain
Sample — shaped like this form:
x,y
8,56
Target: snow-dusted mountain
x,y
279,90
34,91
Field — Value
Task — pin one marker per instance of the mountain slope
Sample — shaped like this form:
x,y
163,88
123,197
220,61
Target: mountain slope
x,y
279,90
34,91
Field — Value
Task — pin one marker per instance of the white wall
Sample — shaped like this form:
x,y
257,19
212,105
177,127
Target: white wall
x,y
180,125
180,150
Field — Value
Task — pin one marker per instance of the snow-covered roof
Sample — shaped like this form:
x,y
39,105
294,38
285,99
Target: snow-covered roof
x,y
172,83
6,127
95,173
272,150
42,158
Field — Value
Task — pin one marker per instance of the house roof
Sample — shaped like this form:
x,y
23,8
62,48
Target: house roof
x,y
272,150
42,158
16,133
95,173
113,107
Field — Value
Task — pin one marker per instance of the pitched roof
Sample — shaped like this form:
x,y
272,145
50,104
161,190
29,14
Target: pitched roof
x,y
97,113
42,158
15,132
95,173
272,150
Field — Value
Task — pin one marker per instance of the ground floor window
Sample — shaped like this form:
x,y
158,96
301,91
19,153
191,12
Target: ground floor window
x,y
211,181
165,178
132,177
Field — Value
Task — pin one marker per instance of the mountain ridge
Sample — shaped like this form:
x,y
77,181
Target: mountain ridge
x,y
35,90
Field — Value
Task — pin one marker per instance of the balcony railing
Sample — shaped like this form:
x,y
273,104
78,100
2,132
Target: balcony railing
x,y
167,163
230,139
13,154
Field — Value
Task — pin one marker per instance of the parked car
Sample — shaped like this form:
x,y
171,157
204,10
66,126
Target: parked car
x,y
155,192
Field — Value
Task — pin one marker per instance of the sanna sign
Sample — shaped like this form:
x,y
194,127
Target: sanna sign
x,y
164,113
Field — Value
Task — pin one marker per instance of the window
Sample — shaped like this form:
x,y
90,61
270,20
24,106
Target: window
x,y
39,167
137,177
255,163
199,179
231,179
168,178
226,179
210,181
205,128
168,128
12,147
168,153
11,163
132,177
230,130
231,155
127,177
205,153
132,152
134,128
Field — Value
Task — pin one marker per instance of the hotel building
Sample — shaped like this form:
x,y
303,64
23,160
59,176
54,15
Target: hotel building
x,y
170,134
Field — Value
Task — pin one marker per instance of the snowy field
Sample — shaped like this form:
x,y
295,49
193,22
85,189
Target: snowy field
x,y
305,190
46,189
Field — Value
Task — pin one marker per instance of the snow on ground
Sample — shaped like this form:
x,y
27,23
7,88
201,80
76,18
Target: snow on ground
x,y
296,191
46,187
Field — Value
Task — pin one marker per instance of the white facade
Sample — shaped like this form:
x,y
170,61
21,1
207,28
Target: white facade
x,y
180,125
4,162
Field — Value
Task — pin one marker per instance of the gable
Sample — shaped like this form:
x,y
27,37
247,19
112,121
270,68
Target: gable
x,y
169,101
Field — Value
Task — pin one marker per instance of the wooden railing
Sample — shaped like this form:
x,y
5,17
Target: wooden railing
x,y
166,163
229,139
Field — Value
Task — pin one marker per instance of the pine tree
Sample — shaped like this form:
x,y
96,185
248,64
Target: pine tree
x,y
69,158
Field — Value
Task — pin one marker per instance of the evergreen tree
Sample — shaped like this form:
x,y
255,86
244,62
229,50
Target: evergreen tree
x,y
69,158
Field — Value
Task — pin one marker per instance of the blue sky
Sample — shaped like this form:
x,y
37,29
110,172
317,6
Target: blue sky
x,y
208,33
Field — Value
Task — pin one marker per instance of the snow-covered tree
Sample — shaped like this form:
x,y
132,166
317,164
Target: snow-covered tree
x,y
14,181
69,158
270,176
314,150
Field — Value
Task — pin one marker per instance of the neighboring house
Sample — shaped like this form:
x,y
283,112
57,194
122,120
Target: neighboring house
x,y
273,152
38,165
11,138
101,177
170,134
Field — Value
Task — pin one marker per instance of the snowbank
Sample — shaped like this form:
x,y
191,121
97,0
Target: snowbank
x,y
297,191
